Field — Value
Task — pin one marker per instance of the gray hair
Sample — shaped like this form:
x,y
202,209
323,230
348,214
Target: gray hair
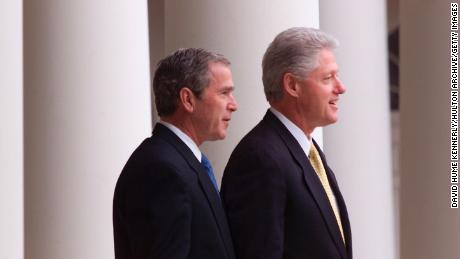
x,y
188,67
296,51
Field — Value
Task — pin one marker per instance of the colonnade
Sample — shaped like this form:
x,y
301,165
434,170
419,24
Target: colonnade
x,y
79,102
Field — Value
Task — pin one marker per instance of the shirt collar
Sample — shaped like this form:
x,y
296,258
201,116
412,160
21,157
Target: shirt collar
x,y
185,138
303,140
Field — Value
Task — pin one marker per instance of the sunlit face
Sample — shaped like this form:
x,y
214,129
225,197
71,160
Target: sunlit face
x,y
216,104
319,92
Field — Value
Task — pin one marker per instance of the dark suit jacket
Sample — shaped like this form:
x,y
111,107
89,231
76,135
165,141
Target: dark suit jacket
x,y
166,207
276,205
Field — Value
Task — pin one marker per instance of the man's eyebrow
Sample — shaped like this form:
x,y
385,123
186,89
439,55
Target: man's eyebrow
x,y
228,87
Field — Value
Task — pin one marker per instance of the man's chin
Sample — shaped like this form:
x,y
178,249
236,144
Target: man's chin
x,y
222,136
333,118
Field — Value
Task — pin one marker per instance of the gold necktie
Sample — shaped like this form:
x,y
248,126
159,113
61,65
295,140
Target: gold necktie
x,y
315,161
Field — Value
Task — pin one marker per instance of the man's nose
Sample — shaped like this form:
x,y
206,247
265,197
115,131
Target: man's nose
x,y
233,105
340,87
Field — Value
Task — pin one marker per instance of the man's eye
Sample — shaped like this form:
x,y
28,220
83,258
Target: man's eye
x,y
226,92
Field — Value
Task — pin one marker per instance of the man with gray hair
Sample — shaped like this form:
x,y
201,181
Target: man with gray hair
x,y
281,198
166,202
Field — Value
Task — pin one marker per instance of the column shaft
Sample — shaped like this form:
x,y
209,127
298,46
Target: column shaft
x,y
87,107
429,227
358,146
11,131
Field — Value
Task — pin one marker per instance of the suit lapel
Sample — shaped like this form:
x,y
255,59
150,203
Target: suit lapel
x,y
206,185
311,179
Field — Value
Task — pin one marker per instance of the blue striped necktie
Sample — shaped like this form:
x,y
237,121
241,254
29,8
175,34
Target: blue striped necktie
x,y
207,166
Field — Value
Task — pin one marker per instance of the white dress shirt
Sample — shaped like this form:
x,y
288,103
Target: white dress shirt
x,y
304,141
185,138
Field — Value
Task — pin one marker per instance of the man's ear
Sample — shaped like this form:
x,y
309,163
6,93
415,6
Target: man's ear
x,y
187,99
290,85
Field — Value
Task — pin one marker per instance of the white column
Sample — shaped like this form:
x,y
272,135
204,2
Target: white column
x,y
241,30
11,131
87,106
358,146
429,227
